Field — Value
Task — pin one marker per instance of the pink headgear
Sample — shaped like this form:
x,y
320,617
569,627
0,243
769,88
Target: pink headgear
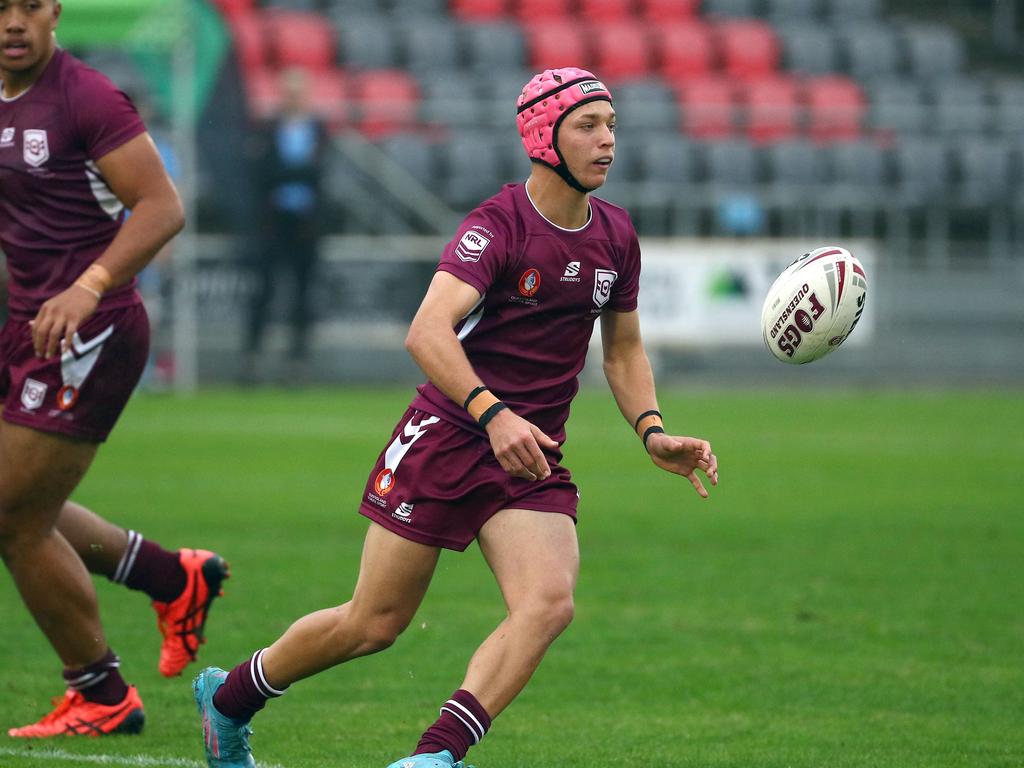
x,y
544,104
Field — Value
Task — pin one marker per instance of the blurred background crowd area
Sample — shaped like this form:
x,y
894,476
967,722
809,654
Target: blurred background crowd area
x,y
874,118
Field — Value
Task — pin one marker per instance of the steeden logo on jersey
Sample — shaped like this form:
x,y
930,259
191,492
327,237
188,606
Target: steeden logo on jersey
x,y
572,273
36,147
7,137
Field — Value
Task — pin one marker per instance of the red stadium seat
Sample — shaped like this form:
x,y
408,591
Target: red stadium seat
x,y
250,41
387,101
621,50
529,11
557,44
606,10
233,8
663,11
771,108
748,47
708,107
301,39
682,49
479,10
836,108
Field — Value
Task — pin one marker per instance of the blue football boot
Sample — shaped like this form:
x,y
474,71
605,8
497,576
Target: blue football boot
x,y
225,740
443,759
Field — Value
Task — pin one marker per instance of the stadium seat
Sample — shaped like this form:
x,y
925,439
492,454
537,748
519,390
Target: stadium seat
x,y
836,108
732,166
922,171
250,41
606,11
769,108
1007,105
748,48
530,11
708,107
856,174
473,167
729,8
668,11
782,11
429,43
933,50
497,102
432,9
872,50
793,168
415,153
809,48
645,105
479,10
667,157
961,106
682,49
365,41
299,39
898,106
556,44
494,47
387,101
449,98
621,50
984,171
306,6
843,11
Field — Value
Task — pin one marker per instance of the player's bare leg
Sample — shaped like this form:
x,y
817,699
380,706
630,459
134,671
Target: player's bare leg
x,y
394,575
535,558
52,580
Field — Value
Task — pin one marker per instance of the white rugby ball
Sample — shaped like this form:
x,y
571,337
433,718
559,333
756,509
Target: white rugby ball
x,y
814,305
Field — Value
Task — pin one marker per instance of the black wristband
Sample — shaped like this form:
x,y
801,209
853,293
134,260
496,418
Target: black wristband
x,y
490,413
472,396
643,416
650,431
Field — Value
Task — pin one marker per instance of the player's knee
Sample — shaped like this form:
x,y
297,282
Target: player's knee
x,y
550,615
381,631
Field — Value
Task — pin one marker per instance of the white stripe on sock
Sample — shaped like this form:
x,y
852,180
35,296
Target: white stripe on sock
x,y
478,732
87,681
124,566
260,679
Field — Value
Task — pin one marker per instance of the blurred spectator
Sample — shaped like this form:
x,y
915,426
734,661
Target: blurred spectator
x,y
290,154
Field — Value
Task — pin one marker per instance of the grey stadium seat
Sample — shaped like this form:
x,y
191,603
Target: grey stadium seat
x,y
473,167
730,7
922,169
856,171
425,8
853,10
933,50
731,165
782,11
415,154
1008,105
449,98
497,47
961,106
430,44
809,48
667,158
646,105
794,165
872,50
984,170
899,105
365,41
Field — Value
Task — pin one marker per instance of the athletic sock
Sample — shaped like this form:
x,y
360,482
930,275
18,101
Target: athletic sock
x,y
100,682
149,568
463,722
246,690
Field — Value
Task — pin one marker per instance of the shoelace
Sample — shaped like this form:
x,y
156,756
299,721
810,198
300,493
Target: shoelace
x,y
62,704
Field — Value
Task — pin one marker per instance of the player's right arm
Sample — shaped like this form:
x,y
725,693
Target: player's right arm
x,y
434,346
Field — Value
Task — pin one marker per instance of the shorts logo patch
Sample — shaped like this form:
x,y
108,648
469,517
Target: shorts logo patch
x,y
7,137
385,482
403,512
472,245
36,148
32,394
604,279
529,283
67,396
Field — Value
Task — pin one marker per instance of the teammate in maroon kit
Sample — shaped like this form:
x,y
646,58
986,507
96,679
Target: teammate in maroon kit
x,y
74,157
502,335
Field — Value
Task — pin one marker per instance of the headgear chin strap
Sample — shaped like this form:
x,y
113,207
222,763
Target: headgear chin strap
x,y
542,106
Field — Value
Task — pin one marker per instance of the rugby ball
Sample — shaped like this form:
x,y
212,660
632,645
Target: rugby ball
x,y
814,305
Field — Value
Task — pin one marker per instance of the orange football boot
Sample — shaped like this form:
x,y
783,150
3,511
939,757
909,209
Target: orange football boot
x,y
183,620
74,716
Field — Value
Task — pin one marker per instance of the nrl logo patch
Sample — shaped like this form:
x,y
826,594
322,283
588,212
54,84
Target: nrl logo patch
x,y
472,245
32,394
36,147
604,279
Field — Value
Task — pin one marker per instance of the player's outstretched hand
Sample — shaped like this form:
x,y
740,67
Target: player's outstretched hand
x,y
59,320
684,456
517,445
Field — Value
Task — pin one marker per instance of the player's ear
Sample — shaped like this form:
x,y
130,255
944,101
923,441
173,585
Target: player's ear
x,y
57,8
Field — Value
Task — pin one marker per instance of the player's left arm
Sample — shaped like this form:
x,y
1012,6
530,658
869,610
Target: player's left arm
x,y
137,177
629,374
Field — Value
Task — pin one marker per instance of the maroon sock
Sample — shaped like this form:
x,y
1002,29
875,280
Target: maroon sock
x,y
246,690
100,681
150,568
463,722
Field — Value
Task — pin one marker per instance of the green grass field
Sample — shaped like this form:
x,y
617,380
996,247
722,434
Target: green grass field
x,y
851,595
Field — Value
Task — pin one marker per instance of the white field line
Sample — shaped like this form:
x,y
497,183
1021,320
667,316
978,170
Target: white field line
x,y
145,761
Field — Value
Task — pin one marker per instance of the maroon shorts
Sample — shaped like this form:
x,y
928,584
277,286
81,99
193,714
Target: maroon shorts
x,y
82,392
437,483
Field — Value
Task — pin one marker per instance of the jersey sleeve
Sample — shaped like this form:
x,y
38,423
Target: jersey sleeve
x,y
627,287
105,117
479,251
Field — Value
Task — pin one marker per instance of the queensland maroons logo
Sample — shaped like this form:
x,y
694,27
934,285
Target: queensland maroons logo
x,y
604,279
36,147
32,394
385,482
529,283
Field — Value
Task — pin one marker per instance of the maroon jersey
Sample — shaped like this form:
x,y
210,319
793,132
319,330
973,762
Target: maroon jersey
x,y
57,214
542,288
